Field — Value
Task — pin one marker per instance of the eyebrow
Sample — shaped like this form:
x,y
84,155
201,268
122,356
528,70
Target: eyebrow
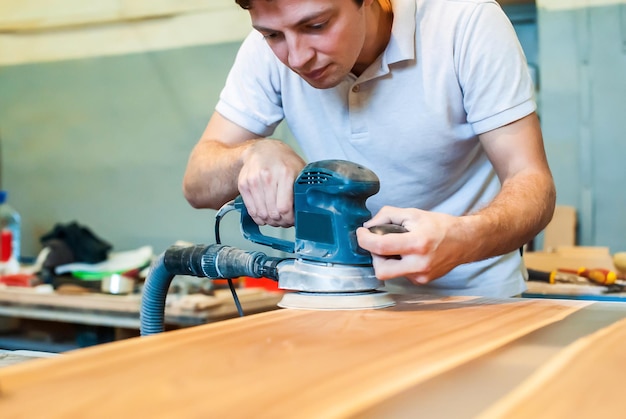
x,y
302,21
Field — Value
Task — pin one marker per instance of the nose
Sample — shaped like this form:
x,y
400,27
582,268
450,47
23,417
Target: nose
x,y
299,52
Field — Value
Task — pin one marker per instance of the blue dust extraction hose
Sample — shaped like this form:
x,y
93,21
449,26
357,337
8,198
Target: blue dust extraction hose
x,y
214,261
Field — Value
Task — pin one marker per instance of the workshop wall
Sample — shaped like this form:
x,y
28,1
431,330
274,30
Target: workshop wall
x,y
582,85
104,141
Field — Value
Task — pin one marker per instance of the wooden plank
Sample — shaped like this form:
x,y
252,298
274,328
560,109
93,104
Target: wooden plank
x,y
283,363
123,310
573,257
95,301
126,303
582,381
15,357
561,231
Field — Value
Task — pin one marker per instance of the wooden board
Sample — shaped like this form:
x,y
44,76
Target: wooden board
x,y
127,303
571,258
561,231
95,301
284,363
583,381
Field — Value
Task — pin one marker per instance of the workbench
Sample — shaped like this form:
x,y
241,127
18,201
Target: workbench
x,y
426,357
119,312
572,292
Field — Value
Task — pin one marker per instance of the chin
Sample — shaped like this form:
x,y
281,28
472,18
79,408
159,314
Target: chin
x,y
326,83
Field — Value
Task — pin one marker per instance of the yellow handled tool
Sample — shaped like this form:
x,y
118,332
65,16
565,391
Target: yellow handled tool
x,y
597,275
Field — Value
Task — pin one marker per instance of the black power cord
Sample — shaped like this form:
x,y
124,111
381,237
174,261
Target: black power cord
x,y
218,218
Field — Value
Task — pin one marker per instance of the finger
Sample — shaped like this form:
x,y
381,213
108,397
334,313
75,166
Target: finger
x,y
284,203
405,217
386,268
268,196
255,205
380,218
419,279
388,215
385,245
414,269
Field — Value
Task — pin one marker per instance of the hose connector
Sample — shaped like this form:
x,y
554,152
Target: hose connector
x,y
219,261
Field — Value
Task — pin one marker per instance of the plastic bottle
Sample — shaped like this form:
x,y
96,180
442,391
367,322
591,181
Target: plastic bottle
x,y
10,229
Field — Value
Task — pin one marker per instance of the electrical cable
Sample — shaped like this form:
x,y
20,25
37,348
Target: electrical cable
x,y
218,218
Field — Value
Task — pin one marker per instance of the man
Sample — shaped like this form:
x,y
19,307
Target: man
x,y
434,96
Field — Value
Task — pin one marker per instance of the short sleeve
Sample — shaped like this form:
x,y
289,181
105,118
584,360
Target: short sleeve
x,y
492,70
251,95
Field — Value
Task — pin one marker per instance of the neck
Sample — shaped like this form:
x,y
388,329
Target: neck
x,y
379,21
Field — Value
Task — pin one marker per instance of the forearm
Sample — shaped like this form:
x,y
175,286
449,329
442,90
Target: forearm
x,y
523,207
525,203
212,171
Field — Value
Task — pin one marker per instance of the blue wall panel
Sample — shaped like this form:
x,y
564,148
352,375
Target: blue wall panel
x,y
583,112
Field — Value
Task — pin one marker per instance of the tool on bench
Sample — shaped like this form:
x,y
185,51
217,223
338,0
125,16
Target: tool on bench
x,y
554,277
601,277
597,276
329,270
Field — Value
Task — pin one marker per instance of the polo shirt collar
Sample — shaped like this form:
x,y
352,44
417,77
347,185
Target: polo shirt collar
x,y
401,45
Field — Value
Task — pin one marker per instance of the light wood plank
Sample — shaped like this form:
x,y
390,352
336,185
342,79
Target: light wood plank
x,y
582,381
284,363
561,231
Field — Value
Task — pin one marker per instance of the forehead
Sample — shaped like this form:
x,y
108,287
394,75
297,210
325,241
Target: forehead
x,y
270,13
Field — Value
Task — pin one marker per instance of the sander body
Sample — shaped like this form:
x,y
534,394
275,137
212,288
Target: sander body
x,y
330,270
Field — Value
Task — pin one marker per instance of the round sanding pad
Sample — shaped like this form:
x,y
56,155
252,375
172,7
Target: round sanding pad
x,y
336,301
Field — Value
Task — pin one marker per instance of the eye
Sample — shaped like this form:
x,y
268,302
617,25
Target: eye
x,y
271,35
318,26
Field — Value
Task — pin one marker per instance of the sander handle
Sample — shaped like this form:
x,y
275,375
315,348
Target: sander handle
x,y
251,231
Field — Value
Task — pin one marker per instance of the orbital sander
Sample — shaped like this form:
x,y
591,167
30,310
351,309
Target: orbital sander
x,y
329,271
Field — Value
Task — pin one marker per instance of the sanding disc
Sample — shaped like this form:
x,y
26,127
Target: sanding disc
x,y
336,301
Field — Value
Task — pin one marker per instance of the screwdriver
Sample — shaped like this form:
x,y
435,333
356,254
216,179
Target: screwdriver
x,y
554,276
597,275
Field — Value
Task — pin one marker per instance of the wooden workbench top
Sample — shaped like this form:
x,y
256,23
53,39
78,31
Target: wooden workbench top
x,y
284,363
123,310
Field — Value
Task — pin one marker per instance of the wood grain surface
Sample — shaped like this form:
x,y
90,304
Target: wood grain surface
x,y
585,380
283,363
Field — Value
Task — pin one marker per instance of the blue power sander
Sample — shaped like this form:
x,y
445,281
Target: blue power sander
x,y
329,271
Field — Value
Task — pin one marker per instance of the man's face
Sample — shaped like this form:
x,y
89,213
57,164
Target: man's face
x,y
320,40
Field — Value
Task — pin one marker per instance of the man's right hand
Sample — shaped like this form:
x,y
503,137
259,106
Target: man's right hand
x,y
266,179
229,161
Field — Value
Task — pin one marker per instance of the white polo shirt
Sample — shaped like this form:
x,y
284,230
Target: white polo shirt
x,y
453,69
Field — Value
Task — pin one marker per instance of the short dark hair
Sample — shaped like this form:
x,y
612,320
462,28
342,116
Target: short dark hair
x,y
245,4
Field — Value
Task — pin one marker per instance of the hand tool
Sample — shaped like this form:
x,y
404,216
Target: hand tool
x,y
329,270
597,275
554,277
571,276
